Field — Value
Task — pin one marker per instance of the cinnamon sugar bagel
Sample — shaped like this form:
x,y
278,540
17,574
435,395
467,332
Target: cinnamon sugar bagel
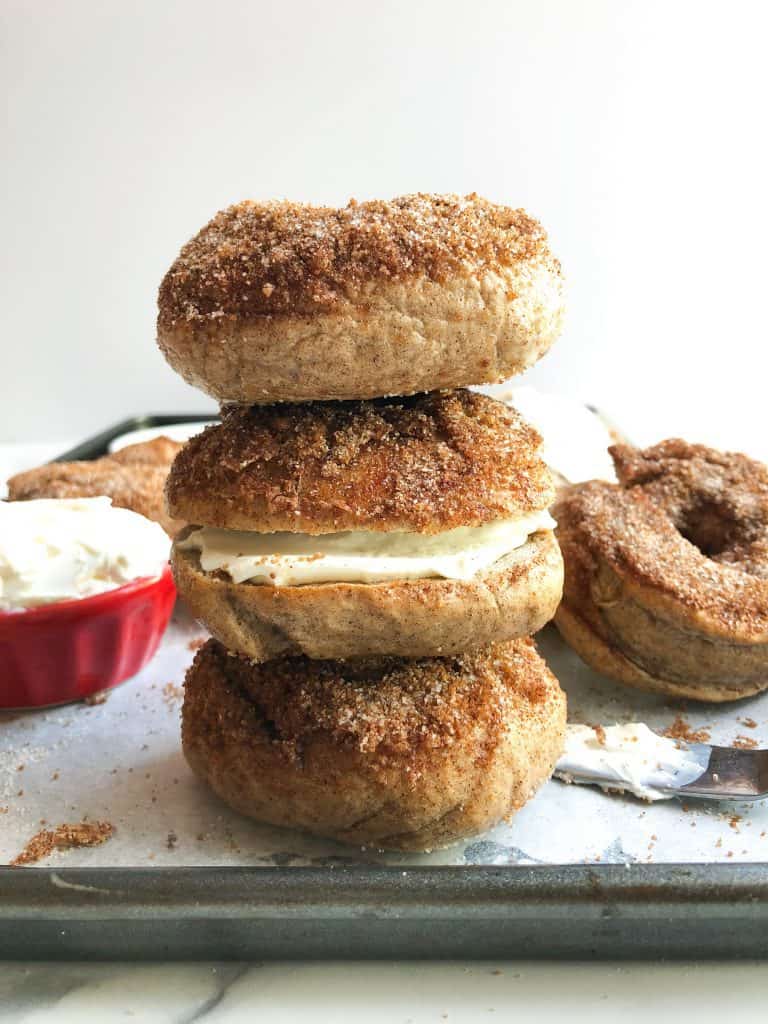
x,y
515,597
398,754
284,302
425,464
666,573
410,527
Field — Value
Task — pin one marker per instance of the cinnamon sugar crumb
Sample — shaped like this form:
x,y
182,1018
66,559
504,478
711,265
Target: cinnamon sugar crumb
x,y
64,837
749,722
172,694
744,742
96,698
682,730
600,734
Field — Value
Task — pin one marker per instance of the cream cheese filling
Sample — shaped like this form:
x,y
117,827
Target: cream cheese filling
x,y
293,559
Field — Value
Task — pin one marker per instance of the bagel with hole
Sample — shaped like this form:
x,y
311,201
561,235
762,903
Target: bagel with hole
x,y
666,573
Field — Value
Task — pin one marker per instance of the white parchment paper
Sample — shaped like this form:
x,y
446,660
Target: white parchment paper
x,y
120,761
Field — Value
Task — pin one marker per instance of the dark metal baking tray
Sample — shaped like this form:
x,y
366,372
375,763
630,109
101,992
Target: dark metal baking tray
x,y
610,912
98,445
633,911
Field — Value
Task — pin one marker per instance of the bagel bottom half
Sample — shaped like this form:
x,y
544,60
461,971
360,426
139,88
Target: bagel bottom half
x,y
406,618
393,753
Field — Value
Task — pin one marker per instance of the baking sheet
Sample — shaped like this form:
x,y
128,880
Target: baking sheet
x,y
577,873
120,761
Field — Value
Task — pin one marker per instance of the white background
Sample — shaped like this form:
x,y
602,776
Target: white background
x,y
636,131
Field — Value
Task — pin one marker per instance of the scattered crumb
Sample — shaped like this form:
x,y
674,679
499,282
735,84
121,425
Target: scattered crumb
x,y
64,837
682,730
749,722
172,694
96,698
196,644
734,821
600,733
744,742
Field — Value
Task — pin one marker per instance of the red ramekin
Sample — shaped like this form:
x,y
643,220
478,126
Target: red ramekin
x,y
65,651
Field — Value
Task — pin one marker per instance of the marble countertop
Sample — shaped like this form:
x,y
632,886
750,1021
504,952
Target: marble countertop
x,y
379,993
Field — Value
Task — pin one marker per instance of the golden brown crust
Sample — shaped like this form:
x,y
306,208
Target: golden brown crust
x,y
134,478
270,259
281,302
405,754
407,618
424,464
666,581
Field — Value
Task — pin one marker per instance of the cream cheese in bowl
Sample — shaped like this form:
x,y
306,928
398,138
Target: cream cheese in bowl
x,y
54,549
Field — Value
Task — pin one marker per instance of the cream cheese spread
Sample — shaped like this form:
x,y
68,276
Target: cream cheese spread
x,y
55,549
293,559
628,758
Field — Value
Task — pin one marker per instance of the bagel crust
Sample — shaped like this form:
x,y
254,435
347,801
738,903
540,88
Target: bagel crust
x,y
666,574
398,754
284,302
423,464
407,618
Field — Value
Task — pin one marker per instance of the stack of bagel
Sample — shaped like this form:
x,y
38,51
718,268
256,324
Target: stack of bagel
x,y
370,545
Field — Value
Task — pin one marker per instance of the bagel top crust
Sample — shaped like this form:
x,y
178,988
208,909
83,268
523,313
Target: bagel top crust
x,y
391,710
718,500
687,522
425,464
279,258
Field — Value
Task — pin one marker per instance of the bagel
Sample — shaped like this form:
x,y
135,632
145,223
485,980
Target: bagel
x,y
515,597
284,302
666,573
398,754
410,527
423,464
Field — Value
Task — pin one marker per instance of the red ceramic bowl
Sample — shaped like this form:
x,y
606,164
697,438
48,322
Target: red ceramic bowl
x,y
66,651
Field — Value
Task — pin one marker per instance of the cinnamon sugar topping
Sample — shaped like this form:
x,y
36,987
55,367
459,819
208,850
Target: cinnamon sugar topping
x,y
426,463
266,259
383,708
